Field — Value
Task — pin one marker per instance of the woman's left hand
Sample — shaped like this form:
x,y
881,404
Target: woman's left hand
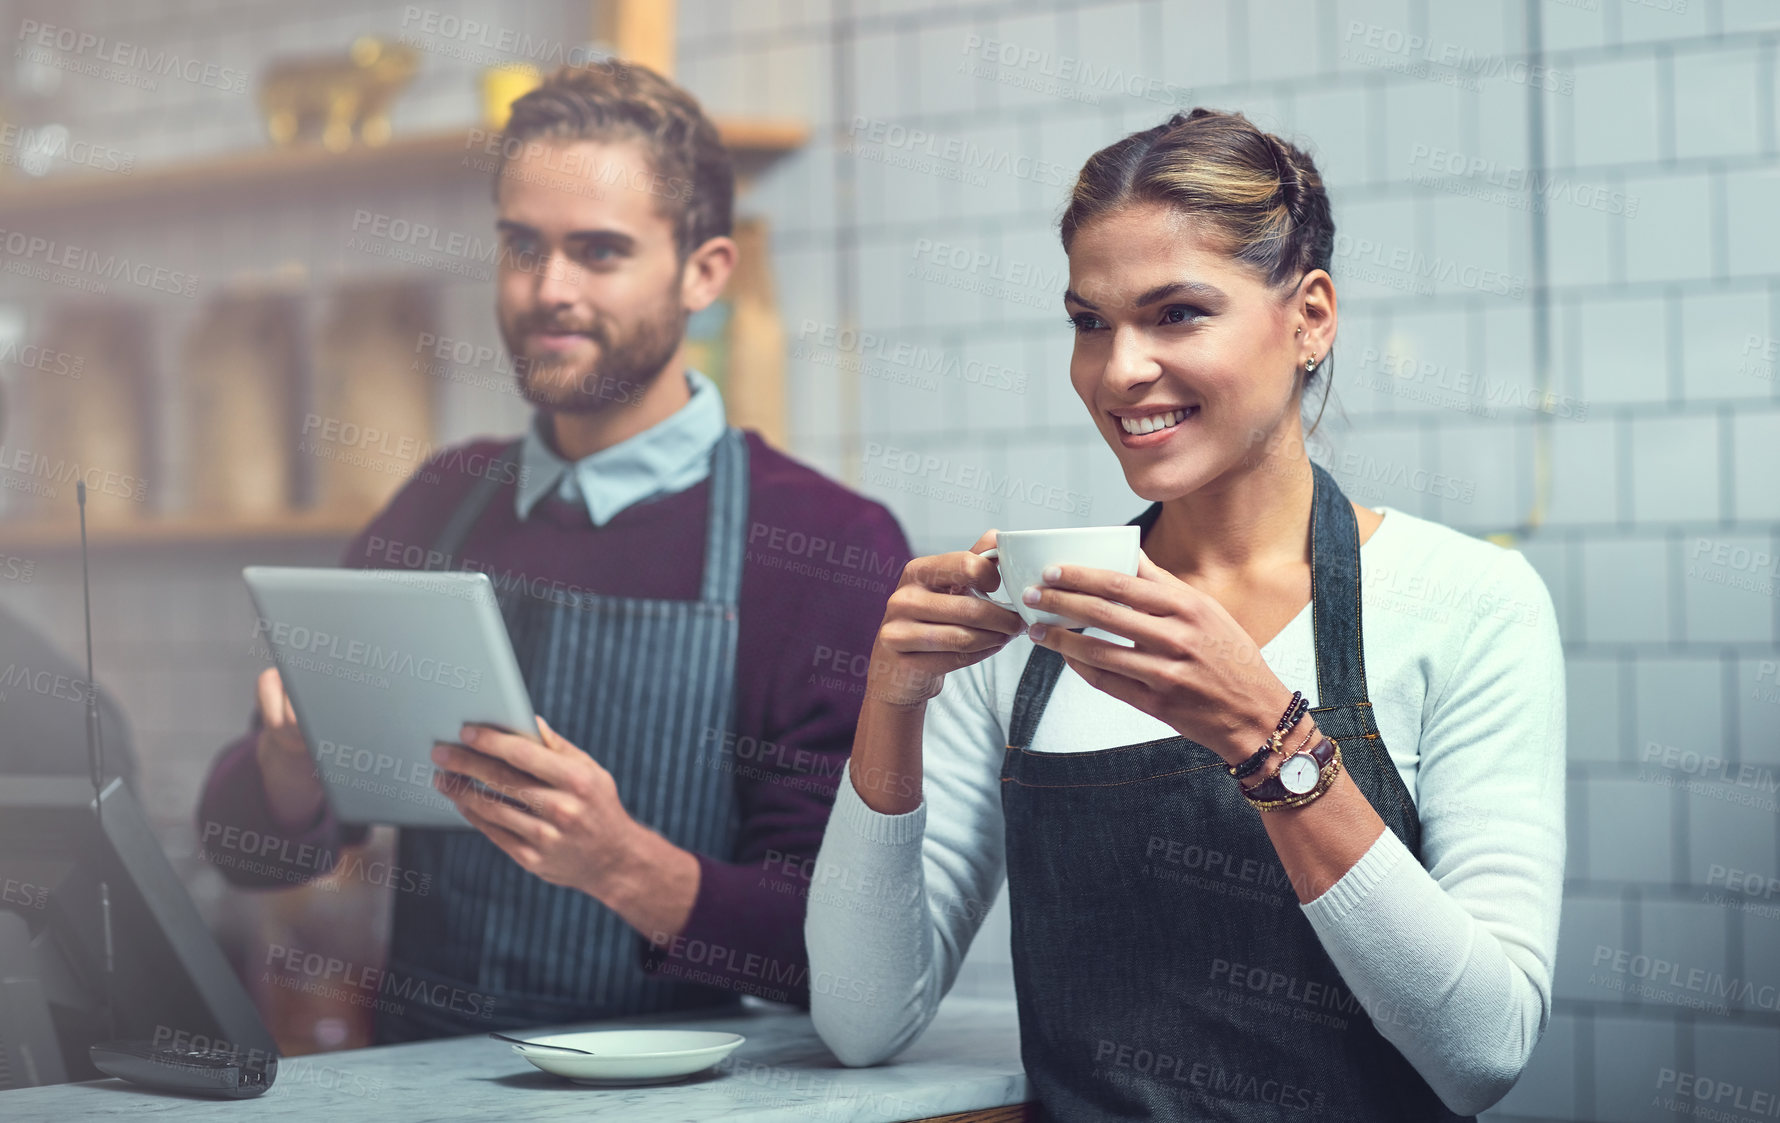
x,y
1193,666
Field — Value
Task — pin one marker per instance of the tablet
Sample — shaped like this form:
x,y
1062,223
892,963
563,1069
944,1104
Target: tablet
x,y
381,663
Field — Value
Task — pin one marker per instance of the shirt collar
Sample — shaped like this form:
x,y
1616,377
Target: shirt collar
x,y
670,456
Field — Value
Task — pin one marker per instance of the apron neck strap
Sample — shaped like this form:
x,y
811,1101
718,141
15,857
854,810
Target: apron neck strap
x,y
1335,594
726,519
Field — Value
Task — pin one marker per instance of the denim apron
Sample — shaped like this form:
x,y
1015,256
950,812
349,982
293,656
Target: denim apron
x,y
1163,968
634,683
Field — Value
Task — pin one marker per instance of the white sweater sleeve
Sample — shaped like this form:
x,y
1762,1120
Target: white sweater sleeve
x,y
1453,962
896,899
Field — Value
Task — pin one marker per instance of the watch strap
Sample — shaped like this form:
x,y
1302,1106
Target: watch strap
x,y
1272,791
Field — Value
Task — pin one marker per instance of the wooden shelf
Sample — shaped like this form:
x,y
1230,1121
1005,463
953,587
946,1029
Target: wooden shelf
x,y
414,159
64,534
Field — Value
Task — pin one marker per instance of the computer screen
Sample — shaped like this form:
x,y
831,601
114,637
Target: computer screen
x,y
168,981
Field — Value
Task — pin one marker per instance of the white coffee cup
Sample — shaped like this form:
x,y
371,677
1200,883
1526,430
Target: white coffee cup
x,y
1024,555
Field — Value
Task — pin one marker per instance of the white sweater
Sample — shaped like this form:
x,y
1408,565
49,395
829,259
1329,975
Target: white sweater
x,y
1452,957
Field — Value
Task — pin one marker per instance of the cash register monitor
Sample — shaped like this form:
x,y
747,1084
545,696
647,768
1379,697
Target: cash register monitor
x,y
168,981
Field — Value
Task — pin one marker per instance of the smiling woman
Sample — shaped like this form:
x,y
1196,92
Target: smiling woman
x,y
1240,831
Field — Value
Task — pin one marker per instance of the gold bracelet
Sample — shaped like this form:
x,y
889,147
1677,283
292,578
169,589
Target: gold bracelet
x,y
1313,732
1330,771
1283,757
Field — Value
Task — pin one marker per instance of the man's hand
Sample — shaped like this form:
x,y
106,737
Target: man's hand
x,y
293,789
555,811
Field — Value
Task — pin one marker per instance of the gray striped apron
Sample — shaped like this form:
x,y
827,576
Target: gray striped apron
x,y
635,683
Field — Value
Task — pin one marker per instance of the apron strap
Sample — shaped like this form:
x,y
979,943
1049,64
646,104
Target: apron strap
x,y
1335,614
726,521
457,527
1335,595
1036,684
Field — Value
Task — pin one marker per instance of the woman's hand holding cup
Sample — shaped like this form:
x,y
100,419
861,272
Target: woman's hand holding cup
x,y
1188,662
933,625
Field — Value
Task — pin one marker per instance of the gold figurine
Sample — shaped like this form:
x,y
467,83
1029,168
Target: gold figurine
x,y
335,100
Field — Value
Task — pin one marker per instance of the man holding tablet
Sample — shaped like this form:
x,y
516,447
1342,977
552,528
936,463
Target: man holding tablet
x,y
682,601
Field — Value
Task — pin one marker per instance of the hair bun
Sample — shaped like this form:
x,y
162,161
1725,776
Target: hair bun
x,y
1291,176
1180,118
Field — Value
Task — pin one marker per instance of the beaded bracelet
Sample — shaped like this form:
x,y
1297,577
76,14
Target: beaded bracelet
x,y
1294,713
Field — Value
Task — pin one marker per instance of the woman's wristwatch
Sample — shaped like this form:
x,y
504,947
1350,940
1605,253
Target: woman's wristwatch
x,y
1301,777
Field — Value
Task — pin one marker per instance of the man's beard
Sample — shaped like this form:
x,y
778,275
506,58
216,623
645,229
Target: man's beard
x,y
623,369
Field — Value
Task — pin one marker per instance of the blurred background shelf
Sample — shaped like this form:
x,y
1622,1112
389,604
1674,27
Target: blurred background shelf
x,y
415,159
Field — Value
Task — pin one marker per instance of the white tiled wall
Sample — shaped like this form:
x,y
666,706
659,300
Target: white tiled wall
x,y
1658,323
1662,323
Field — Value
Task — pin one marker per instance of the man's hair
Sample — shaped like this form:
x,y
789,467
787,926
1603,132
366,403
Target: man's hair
x,y
613,101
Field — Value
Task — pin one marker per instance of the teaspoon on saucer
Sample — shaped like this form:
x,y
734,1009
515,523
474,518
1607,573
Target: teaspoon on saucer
x,y
539,1044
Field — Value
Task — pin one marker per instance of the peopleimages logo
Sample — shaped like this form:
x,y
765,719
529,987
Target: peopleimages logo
x,y
20,466
1734,565
1463,174
14,568
270,855
42,359
1117,1059
366,656
1417,271
1696,987
337,979
1070,70
472,40
1691,1093
34,150
1406,375
89,266
23,893
850,349
598,168
815,555
37,39
1389,48
958,152
1364,472
49,684
929,470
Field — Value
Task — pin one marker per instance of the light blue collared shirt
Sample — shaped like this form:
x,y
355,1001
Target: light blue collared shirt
x,y
670,456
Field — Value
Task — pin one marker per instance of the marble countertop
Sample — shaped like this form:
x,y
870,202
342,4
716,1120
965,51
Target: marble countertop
x,y
968,1059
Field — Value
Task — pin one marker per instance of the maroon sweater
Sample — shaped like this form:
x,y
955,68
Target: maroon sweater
x,y
821,561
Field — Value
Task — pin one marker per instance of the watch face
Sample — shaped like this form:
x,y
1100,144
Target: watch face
x,y
1298,774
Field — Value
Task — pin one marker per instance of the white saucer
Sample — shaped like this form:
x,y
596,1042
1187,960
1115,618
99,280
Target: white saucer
x,y
632,1056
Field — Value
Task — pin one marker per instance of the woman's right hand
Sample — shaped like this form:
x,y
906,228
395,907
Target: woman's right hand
x,y
933,625
293,789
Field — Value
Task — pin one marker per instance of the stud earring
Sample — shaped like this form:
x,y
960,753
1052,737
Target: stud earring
x,y
1310,364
